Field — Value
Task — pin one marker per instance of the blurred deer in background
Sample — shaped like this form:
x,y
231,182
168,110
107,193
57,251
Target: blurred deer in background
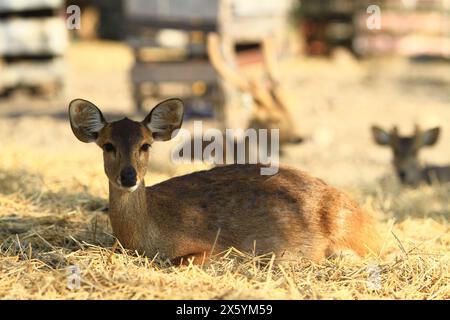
x,y
290,213
406,155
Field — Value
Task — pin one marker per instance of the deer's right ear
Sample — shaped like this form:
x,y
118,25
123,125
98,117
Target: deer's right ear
x,y
381,136
86,120
164,119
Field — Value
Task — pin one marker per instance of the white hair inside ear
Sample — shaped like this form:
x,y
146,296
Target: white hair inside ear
x,y
165,118
86,120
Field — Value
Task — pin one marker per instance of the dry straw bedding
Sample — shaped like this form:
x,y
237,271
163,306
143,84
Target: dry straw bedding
x,y
53,190
48,224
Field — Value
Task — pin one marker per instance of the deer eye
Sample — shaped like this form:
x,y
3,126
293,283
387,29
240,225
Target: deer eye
x,y
145,147
108,147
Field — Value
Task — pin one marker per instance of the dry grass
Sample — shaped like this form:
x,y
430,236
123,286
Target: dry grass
x,y
48,224
53,190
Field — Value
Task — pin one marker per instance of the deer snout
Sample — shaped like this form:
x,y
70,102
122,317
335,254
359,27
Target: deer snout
x,y
128,177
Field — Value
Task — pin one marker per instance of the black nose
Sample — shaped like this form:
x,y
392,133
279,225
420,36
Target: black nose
x,y
128,177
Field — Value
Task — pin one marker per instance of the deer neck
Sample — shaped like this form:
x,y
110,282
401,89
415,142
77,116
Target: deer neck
x,y
129,217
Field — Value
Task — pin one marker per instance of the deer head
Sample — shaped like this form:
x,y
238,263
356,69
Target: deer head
x,y
405,150
125,143
270,110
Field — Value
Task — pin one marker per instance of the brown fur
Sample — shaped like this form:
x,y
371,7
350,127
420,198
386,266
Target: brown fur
x,y
289,212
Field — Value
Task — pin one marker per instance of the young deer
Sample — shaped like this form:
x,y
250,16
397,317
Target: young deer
x,y
406,155
207,212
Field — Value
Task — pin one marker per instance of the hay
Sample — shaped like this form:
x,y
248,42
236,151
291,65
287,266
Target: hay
x,y
52,190
47,227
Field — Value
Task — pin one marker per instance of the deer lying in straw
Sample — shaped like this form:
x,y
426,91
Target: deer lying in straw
x,y
406,155
206,212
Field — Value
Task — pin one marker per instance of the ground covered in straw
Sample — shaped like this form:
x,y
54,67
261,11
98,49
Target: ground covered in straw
x,y
53,192
52,219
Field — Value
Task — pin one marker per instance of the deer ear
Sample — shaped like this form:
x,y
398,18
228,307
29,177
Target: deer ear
x,y
430,137
381,136
164,119
86,120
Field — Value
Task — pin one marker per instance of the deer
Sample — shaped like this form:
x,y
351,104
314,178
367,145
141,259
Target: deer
x,y
405,151
201,214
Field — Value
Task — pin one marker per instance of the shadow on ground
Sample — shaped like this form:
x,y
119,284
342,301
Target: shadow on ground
x,y
48,225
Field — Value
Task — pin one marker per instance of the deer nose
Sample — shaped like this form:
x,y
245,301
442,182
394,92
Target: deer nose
x,y
128,177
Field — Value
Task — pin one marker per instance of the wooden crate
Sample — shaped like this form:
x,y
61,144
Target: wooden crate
x,y
33,39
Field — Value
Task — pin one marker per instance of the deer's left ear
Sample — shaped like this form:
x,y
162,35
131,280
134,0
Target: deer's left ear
x,y
380,136
430,137
164,119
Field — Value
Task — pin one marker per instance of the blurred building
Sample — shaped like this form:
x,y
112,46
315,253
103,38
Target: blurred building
x,y
169,42
33,39
407,27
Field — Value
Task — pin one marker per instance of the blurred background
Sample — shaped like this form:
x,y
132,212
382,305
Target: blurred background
x,y
340,73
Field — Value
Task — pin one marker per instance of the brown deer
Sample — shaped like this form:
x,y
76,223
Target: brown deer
x,y
207,212
406,155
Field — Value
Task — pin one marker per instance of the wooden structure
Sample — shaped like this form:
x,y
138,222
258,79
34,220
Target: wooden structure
x,y
408,27
243,26
33,39
168,40
169,43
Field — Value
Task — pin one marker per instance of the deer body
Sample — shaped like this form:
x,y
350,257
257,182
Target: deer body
x,y
431,174
289,213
